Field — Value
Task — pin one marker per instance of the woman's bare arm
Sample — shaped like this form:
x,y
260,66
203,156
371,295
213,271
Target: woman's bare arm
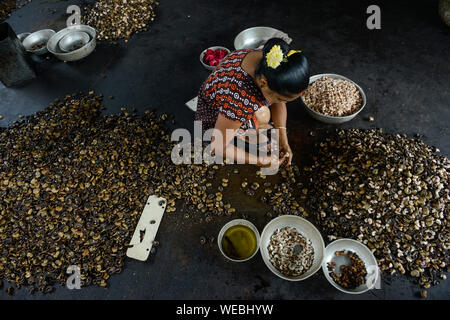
x,y
279,117
279,114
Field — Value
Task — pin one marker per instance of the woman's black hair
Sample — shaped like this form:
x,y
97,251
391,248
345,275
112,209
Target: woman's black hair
x,y
291,76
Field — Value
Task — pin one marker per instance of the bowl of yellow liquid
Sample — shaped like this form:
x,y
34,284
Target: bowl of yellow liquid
x,y
238,240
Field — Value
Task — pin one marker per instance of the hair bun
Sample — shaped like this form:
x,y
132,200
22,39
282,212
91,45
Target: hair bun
x,y
274,42
285,70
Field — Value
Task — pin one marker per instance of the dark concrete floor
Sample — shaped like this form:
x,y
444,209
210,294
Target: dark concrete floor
x,y
404,69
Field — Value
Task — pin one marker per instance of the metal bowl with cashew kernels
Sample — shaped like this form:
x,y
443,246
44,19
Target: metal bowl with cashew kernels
x,y
332,119
37,41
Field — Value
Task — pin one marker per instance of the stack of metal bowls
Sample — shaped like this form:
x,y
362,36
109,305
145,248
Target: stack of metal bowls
x,y
73,43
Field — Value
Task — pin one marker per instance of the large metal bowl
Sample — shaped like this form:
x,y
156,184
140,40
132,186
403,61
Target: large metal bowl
x,y
306,229
53,43
330,119
363,253
37,38
253,38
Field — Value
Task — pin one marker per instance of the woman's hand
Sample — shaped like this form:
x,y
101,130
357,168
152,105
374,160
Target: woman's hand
x,y
279,117
271,161
285,149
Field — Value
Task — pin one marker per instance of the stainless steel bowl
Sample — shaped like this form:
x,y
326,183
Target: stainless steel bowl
x,y
363,253
74,40
202,55
253,38
75,55
330,119
22,36
306,229
37,38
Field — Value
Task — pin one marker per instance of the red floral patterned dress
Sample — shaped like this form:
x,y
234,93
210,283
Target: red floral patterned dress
x,y
230,91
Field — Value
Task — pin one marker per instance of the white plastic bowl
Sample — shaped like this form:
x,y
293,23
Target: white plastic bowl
x,y
363,253
306,229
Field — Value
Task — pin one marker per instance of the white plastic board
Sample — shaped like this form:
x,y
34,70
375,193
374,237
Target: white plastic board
x,y
192,104
146,229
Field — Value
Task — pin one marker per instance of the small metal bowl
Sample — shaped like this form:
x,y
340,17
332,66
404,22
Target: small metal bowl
x,y
363,253
306,229
202,55
37,38
237,222
330,119
253,38
75,55
22,36
73,41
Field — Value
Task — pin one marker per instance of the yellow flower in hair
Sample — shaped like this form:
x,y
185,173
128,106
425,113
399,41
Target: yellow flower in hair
x,y
274,57
291,52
